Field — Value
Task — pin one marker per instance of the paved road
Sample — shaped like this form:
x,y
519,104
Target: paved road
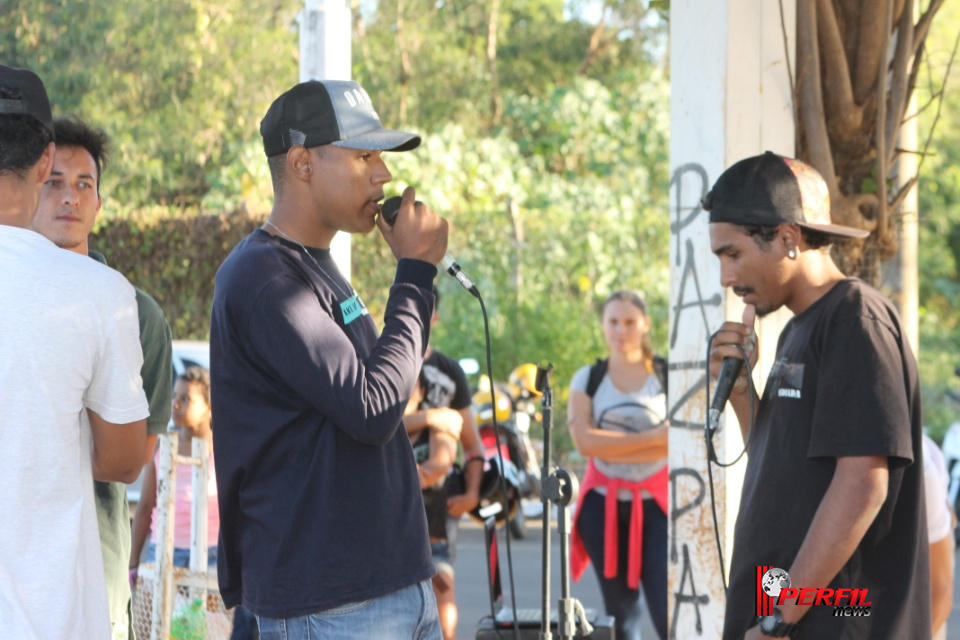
x,y
471,576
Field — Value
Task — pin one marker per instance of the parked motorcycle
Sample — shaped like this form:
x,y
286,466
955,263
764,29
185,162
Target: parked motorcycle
x,y
514,411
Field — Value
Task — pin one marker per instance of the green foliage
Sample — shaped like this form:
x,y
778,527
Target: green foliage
x,y
557,201
939,196
180,85
546,228
173,255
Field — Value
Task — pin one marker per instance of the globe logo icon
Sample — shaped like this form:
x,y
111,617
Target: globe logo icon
x,y
774,580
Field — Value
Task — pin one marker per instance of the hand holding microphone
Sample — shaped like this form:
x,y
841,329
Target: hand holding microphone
x,y
390,211
728,367
421,235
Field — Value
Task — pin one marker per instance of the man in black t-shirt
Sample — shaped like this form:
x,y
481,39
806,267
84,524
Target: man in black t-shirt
x,y
833,491
322,526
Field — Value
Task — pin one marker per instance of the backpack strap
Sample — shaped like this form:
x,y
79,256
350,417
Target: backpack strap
x,y
597,370
660,368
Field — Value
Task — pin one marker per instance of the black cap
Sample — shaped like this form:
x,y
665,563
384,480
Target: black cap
x,y
33,99
337,112
771,190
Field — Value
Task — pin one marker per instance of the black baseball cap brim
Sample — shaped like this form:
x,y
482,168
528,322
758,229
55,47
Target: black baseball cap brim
x,y
771,190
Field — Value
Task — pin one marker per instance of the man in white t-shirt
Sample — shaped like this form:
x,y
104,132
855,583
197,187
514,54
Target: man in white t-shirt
x,y
940,533
70,388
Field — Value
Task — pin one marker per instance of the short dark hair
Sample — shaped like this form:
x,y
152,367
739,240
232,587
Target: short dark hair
x,y
73,132
199,375
23,138
763,235
278,168
436,297
816,239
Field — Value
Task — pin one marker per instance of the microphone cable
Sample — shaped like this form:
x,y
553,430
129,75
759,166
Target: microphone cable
x,y
389,210
503,482
711,452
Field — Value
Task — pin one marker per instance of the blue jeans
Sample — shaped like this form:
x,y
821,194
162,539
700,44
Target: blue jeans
x,y
407,614
181,557
620,600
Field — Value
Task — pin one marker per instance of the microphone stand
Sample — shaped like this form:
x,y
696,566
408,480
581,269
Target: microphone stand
x,y
559,487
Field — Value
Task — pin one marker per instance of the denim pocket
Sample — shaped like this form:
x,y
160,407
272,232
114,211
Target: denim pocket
x,y
351,607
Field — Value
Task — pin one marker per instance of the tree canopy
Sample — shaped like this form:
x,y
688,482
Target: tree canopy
x,y
546,143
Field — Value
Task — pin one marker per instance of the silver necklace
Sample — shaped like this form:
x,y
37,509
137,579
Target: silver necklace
x,y
310,255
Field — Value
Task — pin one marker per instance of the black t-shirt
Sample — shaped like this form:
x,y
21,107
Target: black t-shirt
x,y
844,384
319,496
447,384
434,497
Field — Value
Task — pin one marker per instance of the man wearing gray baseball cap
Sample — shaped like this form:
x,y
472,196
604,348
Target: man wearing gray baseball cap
x,y
72,398
322,527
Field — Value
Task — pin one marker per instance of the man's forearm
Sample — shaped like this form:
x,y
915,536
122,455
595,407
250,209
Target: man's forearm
x,y
473,474
852,501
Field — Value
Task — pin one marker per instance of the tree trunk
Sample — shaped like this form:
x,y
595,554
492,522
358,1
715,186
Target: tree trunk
x,y
857,64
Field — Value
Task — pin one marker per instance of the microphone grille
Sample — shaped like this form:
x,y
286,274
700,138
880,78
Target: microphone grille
x,y
389,209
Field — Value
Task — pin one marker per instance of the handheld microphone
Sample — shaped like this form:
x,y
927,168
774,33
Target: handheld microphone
x,y
729,371
389,211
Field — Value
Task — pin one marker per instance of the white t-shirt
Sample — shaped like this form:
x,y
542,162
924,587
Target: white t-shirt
x,y
69,340
935,481
627,412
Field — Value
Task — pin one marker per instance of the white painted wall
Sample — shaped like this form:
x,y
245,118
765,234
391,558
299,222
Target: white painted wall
x,y
730,99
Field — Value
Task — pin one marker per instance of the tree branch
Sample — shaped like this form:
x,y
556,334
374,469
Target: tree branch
x,y
404,62
923,24
880,132
793,85
844,116
942,94
595,45
811,97
869,52
899,92
492,61
902,194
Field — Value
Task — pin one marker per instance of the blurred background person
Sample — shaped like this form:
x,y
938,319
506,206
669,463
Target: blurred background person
x,y
445,405
74,406
68,210
616,417
192,418
940,523
435,451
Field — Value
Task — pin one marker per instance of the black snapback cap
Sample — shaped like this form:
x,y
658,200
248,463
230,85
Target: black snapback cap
x,y
33,99
337,112
770,190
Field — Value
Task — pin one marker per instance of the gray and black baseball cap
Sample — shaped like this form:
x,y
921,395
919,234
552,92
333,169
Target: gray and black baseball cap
x,y
337,112
33,99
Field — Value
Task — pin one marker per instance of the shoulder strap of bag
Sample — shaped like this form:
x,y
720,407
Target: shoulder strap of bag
x,y
597,370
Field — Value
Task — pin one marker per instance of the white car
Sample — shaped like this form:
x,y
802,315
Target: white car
x,y
186,353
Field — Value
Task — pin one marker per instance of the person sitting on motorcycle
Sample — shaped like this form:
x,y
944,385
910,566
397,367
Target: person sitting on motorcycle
x,y
620,426
435,450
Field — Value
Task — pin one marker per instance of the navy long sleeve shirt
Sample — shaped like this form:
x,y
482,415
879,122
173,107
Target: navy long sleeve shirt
x,y
319,497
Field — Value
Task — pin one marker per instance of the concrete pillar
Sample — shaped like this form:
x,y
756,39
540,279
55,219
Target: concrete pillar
x,y
325,54
731,98
900,278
